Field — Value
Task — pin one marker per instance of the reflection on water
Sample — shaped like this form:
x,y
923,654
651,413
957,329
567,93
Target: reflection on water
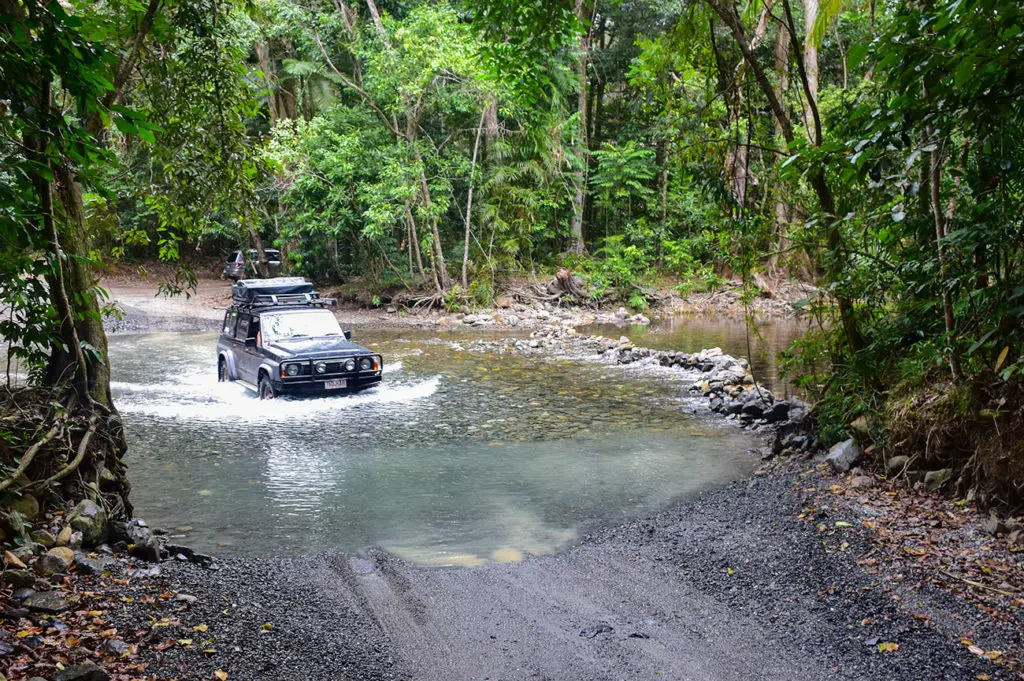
x,y
458,458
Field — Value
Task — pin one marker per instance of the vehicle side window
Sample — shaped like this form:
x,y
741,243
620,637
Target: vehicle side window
x,y
242,331
230,317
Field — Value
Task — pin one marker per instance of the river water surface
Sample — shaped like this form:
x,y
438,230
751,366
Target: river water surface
x,y
459,457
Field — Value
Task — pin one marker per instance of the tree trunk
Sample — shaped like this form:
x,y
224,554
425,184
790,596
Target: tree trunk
x,y
940,247
469,198
269,79
810,61
576,243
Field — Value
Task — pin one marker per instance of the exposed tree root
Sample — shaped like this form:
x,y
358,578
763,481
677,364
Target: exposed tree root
x,y
78,457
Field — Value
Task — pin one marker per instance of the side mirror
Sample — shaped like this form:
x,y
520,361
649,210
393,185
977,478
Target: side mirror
x,y
250,342
348,335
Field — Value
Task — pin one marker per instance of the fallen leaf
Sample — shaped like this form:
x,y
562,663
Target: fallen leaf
x,y
184,641
222,675
266,627
200,627
888,647
843,523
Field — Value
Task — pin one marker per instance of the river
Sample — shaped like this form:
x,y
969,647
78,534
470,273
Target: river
x,y
459,458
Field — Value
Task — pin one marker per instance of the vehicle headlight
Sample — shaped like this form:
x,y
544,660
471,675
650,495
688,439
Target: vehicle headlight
x,y
350,365
365,364
321,368
292,369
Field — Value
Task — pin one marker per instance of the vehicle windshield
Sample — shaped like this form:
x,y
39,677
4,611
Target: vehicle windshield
x,y
309,324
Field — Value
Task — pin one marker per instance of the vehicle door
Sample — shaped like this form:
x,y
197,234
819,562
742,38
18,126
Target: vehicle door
x,y
248,355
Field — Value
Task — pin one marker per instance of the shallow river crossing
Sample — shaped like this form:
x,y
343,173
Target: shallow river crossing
x,y
461,457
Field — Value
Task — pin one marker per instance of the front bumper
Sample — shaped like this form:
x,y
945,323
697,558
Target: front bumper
x,y
307,386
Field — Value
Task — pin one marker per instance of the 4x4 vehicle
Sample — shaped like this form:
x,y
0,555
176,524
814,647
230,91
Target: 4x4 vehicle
x,y
242,263
278,337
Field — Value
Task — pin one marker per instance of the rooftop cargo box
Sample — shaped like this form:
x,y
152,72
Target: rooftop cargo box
x,y
247,290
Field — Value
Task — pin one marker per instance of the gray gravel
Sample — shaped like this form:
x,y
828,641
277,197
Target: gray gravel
x,y
730,586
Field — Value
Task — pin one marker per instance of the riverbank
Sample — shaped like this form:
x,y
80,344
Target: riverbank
x,y
141,308
755,580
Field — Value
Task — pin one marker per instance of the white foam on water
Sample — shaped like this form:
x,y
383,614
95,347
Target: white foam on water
x,y
213,401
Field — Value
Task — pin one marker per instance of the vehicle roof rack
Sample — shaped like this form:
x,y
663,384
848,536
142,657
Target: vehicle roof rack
x,y
278,291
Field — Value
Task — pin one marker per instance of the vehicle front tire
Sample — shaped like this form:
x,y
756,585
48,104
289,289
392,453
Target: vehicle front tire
x,y
222,372
266,389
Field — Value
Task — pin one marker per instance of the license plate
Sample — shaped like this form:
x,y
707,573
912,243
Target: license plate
x,y
336,384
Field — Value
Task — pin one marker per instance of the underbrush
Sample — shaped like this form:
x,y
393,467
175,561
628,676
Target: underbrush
x,y
900,401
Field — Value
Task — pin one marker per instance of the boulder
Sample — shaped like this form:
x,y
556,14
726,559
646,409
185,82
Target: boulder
x,y
64,536
19,578
861,482
87,671
470,319
90,566
91,520
843,455
115,647
754,409
933,480
778,412
51,602
43,538
897,463
994,526
56,560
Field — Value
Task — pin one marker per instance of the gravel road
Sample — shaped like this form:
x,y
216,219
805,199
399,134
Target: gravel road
x,y
730,586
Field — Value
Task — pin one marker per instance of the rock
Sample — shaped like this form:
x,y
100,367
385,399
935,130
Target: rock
x,y
753,409
511,320
56,560
861,482
46,601
116,647
717,404
22,592
897,463
91,520
27,505
505,302
14,613
391,309
27,551
469,319
82,672
19,578
778,412
591,632
994,526
933,480
534,343
186,598
11,560
76,541
64,536
621,314
5,649
90,566
843,456
43,538
859,429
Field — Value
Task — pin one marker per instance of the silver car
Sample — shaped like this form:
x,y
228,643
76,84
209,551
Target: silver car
x,y
245,264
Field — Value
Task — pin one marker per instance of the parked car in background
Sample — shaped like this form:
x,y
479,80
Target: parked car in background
x,y
245,264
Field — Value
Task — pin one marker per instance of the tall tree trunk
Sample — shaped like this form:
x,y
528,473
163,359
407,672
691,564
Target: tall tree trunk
x,y
576,244
782,217
940,248
810,60
469,198
269,79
